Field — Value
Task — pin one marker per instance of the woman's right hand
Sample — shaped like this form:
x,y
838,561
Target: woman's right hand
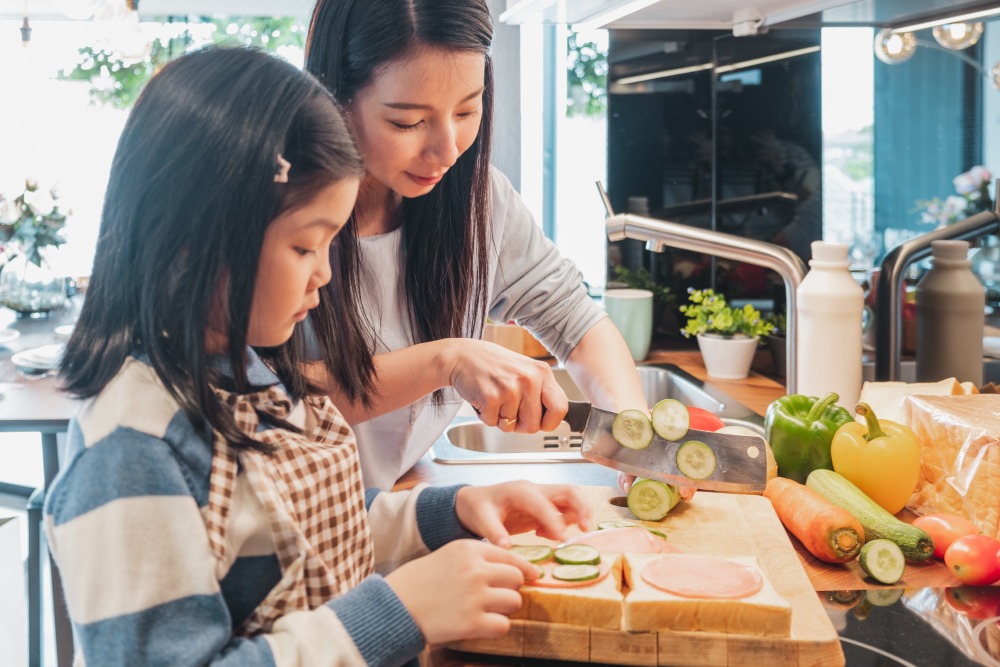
x,y
467,589
505,388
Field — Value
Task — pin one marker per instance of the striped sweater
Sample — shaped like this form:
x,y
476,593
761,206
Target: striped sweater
x,y
123,520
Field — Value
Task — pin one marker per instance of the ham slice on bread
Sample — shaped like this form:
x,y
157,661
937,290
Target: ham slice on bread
x,y
648,607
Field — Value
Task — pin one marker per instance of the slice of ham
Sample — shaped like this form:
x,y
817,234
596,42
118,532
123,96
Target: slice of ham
x,y
548,581
708,577
626,540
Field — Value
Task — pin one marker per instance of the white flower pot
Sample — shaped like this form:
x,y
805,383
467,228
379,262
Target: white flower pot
x,y
727,358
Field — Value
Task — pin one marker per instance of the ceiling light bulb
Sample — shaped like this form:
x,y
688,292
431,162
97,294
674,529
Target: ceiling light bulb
x,y
957,36
893,48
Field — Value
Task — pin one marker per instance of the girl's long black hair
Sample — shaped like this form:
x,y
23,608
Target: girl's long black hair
x,y
445,232
190,195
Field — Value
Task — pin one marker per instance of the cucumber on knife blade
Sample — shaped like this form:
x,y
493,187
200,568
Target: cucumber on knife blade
x,y
671,419
695,459
632,429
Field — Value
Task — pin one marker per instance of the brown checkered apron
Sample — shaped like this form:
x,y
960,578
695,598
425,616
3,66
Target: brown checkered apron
x,y
311,490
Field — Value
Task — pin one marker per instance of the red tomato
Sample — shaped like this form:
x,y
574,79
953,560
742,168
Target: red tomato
x,y
703,420
945,529
974,601
974,559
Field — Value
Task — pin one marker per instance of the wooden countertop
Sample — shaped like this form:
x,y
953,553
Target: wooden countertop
x,y
756,392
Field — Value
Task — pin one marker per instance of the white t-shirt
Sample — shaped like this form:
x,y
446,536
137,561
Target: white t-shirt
x,y
530,283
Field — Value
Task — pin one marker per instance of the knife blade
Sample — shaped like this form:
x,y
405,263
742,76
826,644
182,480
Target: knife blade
x,y
741,463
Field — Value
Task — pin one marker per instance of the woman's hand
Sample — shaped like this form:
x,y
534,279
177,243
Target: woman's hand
x,y
464,590
495,512
506,389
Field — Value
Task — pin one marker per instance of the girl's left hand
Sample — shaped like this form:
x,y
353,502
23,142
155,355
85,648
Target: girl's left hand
x,y
497,511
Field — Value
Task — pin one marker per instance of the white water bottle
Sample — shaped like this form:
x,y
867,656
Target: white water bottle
x,y
828,310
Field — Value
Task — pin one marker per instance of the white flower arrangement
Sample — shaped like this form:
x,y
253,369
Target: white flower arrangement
x,y
973,195
31,221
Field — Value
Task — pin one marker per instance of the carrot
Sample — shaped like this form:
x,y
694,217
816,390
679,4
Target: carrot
x,y
830,533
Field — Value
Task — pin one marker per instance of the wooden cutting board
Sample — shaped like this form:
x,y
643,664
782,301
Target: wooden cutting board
x,y
714,524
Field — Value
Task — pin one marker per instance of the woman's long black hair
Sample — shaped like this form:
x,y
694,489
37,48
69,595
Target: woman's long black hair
x,y
190,195
445,232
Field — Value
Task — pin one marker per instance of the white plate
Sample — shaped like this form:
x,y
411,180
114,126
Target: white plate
x,y
41,358
7,335
64,332
991,346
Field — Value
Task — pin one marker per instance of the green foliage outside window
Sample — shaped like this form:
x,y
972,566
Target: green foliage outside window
x,y
587,83
116,83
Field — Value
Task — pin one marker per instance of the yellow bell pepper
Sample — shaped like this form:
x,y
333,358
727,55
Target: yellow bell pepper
x,y
880,458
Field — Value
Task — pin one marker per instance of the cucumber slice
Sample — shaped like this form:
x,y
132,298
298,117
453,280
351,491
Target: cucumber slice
x,y
650,499
577,554
695,459
618,523
883,597
536,553
671,419
882,560
658,533
576,572
632,429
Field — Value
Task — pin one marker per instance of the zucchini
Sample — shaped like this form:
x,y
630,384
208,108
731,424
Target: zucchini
x,y
915,544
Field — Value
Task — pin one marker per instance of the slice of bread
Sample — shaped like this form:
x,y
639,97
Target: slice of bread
x,y
649,609
598,606
886,398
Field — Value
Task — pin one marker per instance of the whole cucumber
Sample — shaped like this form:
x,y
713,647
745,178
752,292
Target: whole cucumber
x,y
915,543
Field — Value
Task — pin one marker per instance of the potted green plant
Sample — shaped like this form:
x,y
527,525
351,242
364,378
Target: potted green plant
x,y
727,336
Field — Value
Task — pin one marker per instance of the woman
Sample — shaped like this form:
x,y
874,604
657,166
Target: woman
x,y
439,242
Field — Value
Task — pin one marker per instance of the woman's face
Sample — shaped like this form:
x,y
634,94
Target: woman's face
x,y
417,116
295,263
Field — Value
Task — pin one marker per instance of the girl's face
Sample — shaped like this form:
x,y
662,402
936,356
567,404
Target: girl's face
x,y
295,263
417,116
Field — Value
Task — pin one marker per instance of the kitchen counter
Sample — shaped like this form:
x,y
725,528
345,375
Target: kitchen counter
x,y
902,628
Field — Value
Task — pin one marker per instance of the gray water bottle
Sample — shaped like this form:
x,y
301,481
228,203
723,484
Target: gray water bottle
x,y
950,317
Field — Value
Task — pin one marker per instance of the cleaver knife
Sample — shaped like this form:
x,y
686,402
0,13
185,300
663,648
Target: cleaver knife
x,y
741,462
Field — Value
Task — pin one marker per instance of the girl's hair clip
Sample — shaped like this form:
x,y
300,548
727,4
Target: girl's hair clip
x,y
283,168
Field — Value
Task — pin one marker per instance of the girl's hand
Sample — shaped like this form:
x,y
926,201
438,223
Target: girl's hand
x,y
464,590
517,507
625,481
506,389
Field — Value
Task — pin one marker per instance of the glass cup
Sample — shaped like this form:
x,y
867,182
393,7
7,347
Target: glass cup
x,y
631,310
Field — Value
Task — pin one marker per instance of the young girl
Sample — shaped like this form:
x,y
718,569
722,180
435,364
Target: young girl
x,y
209,512
439,241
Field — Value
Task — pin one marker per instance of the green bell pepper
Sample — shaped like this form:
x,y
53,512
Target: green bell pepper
x,y
800,429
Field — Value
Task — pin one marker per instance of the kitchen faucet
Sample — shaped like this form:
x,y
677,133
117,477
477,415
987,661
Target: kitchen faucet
x,y
890,279
660,235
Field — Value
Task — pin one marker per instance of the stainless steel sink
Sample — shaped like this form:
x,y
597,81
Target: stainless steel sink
x,y
468,440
